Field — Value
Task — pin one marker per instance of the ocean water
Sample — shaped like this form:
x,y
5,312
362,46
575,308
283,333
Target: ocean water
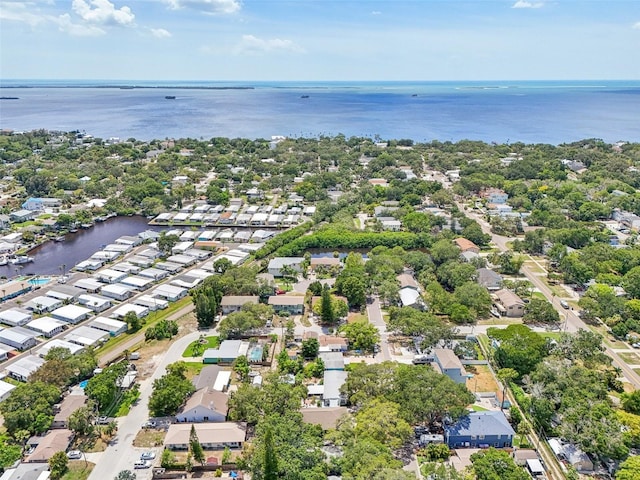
x,y
539,112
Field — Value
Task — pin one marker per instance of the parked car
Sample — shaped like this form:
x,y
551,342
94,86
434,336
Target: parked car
x,y
564,304
142,464
149,424
148,456
102,420
74,454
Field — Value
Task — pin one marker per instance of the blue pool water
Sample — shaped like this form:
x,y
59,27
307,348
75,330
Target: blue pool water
x,y
39,281
83,384
256,354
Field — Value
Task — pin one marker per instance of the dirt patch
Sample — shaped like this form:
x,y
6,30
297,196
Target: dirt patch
x,y
482,380
148,438
152,352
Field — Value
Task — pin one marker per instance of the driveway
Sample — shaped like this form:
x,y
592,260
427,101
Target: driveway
x,y
375,317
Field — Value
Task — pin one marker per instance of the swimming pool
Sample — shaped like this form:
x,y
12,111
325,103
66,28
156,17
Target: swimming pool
x,y
83,384
256,354
38,281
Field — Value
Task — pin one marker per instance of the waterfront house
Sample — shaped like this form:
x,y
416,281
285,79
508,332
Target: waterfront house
x,y
40,204
47,326
19,338
212,436
71,314
22,368
448,363
20,216
233,303
277,264
480,430
287,303
204,406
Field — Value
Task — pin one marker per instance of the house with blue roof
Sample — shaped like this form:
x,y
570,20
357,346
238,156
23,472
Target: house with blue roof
x,y
480,430
39,204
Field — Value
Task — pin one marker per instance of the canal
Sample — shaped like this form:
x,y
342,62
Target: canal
x,y
76,247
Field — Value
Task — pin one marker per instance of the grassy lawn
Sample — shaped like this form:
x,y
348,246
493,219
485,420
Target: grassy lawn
x,y
482,380
193,369
196,348
148,437
552,335
150,321
78,470
478,408
630,358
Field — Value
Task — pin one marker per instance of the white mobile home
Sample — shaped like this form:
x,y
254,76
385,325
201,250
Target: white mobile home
x,y
24,367
154,273
126,267
90,285
57,343
118,292
65,292
19,338
184,260
110,325
139,310
152,303
181,247
87,336
140,261
89,265
186,281
109,275
169,266
15,317
5,390
71,314
43,304
169,292
104,256
97,303
47,326
138,282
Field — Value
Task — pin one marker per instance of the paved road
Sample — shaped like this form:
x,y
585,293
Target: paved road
x,y
573,323
121,455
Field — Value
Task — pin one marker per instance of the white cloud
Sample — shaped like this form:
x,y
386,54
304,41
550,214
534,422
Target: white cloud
x,y
21,12
160,32
527,4
376,12
103,13
253,44
77,29
207,6
636,25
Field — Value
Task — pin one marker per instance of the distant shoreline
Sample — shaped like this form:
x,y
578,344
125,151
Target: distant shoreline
x,y
132,87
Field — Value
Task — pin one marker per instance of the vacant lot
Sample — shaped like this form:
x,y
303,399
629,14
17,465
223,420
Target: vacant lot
x,y
482,380
149,437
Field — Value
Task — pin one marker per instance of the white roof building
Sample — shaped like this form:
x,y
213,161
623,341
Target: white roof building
x,y
170,292
152,303
47,326
139,310
65,292
58,343
18,337
182,259
119,291
126,267
43,304
153,273
97,303
89,284
5,390
24,367
109,275
137,282
15,317
87,336
71,313
112,326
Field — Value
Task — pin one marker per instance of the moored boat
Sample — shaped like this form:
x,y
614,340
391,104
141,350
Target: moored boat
x,y
20,259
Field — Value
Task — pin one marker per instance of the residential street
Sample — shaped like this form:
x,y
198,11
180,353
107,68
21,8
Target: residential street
x,y
121,455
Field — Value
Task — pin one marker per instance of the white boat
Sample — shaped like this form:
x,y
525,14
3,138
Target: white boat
x,y
20,259
3,260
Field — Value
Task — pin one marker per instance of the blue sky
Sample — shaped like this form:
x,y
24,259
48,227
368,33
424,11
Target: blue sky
x,y
319,39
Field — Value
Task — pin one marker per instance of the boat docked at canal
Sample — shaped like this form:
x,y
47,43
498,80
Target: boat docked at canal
x,y
21,259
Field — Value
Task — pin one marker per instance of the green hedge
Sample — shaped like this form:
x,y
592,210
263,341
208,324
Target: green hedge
x,y
282,239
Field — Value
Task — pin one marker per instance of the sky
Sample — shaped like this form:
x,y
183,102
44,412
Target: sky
x,y
320,40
